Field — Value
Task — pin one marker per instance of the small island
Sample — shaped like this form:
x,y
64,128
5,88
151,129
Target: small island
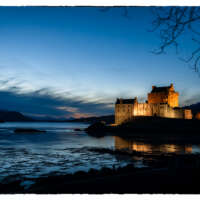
x,y
159,116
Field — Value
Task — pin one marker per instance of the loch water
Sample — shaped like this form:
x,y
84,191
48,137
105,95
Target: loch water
x,y
62,150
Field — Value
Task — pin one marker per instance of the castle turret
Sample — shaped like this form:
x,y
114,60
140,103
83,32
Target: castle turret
x,y
160,95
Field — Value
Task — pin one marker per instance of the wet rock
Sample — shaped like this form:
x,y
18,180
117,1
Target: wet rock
x,y
77,129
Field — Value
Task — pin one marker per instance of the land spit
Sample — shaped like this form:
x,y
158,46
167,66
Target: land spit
x,y
152,128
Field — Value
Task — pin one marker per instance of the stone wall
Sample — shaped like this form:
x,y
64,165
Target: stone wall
x,y
123,112
160,110
142,109
187,114
170,98
161,97
173,99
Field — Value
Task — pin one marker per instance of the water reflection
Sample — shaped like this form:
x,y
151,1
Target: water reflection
x,y
131,145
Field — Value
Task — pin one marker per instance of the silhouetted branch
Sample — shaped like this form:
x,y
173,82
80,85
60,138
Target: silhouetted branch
x,y
172,23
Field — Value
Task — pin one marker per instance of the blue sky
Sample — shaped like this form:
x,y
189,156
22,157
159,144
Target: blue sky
x,y
75,61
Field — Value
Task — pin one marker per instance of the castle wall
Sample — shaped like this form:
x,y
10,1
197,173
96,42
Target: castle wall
x,y
187,114
169,112
159,110
123,112
161,97
142,109
173,99
170,98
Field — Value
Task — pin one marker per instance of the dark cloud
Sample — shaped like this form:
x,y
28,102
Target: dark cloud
x,y
186,98
45,102
191,100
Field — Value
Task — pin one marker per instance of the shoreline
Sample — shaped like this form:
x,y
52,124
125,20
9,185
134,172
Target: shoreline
x,y
165,174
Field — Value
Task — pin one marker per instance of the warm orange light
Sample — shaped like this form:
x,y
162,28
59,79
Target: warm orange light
x,y
142,147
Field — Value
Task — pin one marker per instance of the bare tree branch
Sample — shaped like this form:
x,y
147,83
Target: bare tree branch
x,y
172,23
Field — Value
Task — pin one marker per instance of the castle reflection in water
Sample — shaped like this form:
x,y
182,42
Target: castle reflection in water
x,y
130,145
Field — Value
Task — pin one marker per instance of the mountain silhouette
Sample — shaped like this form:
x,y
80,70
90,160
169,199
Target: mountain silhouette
x,y
13,116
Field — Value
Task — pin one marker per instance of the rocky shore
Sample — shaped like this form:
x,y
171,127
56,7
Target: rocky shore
x,y
164,174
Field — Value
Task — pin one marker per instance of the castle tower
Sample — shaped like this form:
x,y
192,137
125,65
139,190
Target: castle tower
x,y
124,110
164,95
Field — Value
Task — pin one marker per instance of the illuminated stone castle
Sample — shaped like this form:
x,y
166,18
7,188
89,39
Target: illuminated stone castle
x,y
162,102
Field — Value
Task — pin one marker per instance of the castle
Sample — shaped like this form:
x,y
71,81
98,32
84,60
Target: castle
x,y
162,102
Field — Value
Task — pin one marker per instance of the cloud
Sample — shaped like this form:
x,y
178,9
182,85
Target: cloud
x,y
75,112
82,115
49,102
191,100
68,109
188,97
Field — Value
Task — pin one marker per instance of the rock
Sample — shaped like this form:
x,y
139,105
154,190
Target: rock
x,y
97,129
28,130
77,129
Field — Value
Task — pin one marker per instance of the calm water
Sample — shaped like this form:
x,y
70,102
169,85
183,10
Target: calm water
x,y
62,150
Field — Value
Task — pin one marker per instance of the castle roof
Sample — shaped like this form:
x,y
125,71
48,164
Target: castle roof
x,y
161,89
125,101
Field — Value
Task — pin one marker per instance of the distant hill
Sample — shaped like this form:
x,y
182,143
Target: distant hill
x,y
48,119
194,107
13,116
108,119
